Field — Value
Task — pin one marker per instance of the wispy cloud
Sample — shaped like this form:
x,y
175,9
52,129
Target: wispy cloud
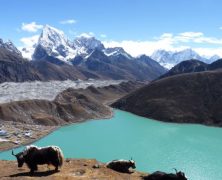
x,y
68,21
31,27
172,42
103,35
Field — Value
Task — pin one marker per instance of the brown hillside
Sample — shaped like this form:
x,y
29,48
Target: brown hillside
x,y
187,98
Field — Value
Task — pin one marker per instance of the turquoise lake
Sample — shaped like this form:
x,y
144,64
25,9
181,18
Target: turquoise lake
x,y
193,149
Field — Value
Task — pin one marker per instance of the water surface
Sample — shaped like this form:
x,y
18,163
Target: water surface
x,y
194,149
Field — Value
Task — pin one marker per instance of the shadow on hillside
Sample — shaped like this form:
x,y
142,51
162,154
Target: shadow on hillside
x,y
35,174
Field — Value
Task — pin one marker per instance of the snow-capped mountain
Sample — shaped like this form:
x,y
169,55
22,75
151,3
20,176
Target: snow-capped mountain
x,y
53,56
168,59
116,51
214,58
84,45
52,42
87,42
10,46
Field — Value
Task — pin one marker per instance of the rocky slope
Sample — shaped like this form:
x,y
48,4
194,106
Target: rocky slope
x,y
120,67
16,69
185,98
10,47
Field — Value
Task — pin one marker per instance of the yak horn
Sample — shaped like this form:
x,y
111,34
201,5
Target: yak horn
x,y
13,153
175,170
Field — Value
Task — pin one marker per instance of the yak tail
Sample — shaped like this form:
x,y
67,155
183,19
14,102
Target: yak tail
x,y
60,155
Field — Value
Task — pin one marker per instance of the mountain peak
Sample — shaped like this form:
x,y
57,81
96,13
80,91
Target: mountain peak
x,y
8,45
52,42
168,59
88,42
52,36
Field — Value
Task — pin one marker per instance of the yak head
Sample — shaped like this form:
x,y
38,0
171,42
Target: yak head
x,y
180,175
132,163
20,158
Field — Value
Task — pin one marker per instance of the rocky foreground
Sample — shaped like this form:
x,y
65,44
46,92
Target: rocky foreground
x,y
77,169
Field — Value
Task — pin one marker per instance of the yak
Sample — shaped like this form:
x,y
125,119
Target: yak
x,y
158,175
34,156
121,165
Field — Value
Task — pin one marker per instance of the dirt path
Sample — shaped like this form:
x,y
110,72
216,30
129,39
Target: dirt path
x,y
76,169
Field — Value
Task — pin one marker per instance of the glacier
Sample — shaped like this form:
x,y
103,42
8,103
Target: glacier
x,y
11,91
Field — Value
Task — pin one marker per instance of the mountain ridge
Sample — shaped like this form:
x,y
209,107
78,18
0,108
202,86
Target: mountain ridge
x,y
191,66
169,59
85,57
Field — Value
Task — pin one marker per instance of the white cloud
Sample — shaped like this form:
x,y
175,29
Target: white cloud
x,y
103,35
31,27
68,21
28,47
29,41
191,34
136,48
209,52
169,41
87,35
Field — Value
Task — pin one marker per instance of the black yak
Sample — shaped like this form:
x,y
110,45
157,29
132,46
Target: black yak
x,y
158,175
121,165
33,156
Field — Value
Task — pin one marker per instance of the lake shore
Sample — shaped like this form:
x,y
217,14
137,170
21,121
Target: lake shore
x,y
20,134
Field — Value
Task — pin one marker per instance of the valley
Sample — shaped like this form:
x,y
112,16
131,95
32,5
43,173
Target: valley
x,y
29,111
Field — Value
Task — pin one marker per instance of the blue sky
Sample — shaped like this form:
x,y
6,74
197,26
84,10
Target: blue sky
x,y
120,22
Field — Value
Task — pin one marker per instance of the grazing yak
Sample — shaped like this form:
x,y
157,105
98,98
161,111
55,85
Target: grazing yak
x,y
33,156
164,176
121,165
